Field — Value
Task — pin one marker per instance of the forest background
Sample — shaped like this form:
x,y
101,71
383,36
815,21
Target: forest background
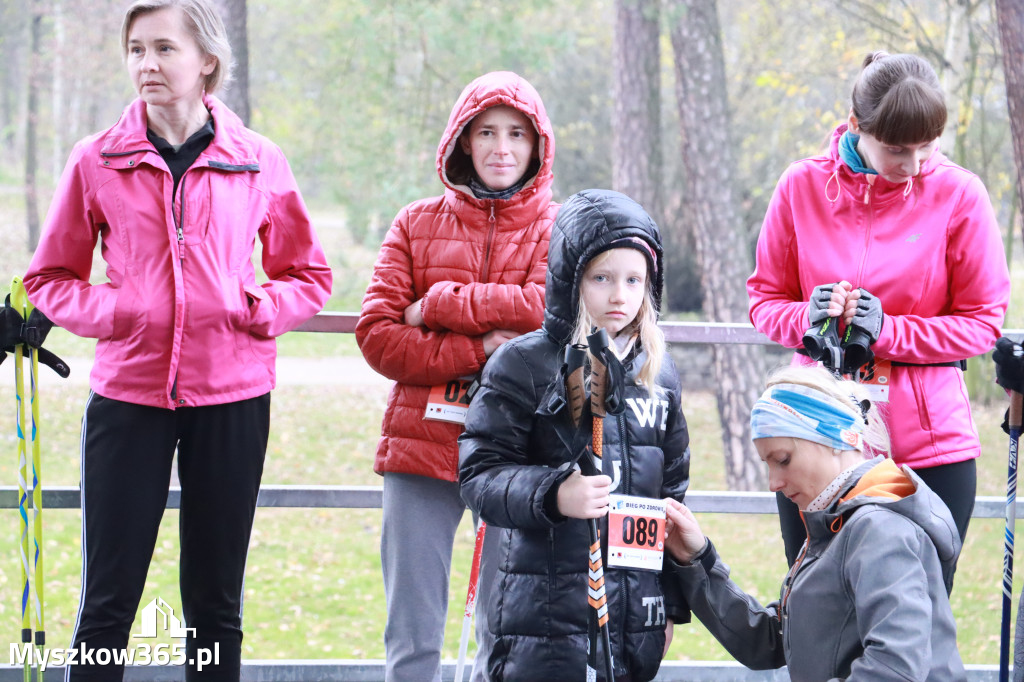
x,y
693,107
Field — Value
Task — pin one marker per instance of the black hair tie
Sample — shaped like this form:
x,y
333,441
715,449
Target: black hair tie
x,y
865,406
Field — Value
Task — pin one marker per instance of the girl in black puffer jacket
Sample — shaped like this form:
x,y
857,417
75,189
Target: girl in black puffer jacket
x,y
516,464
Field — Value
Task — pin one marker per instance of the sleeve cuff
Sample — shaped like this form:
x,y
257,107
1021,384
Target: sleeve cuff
x,y
883,344
705,558
551,498
427,312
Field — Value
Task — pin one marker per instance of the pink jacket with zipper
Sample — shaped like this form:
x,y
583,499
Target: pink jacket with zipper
x,y
929,249
182,321
478,265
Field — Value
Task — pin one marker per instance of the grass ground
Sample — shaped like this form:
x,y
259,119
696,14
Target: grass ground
x,y
313,587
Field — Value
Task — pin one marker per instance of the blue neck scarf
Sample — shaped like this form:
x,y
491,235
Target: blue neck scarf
x,y
850,156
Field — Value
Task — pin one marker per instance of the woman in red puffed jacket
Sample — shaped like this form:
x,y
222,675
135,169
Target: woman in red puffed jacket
x,y
458,275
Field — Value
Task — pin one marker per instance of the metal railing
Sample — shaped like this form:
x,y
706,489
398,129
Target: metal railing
x,y
330,496
373,671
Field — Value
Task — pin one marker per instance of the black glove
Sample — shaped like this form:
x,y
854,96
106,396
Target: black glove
x,y
36,328
11,323
862,331
1009,359
817,309
821,340
14,330
868,317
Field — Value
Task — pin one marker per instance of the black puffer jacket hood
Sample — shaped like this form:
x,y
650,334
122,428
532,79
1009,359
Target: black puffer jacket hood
x,y
587,222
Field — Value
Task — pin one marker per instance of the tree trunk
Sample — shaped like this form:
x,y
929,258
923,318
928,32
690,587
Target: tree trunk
x,y
32,125
636,123
954,74
709,209
236,94
59,124
1010,15
11,76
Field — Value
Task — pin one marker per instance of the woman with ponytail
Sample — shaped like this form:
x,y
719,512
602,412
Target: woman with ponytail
x,y
901,245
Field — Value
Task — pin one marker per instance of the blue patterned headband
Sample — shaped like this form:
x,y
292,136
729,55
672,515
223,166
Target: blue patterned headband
x,y
802,412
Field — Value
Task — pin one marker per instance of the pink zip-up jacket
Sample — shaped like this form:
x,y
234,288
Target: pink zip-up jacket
x,y
181,321
929,249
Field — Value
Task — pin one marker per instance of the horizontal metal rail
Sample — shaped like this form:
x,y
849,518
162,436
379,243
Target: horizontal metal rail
x,y
675,332
345,670
370,497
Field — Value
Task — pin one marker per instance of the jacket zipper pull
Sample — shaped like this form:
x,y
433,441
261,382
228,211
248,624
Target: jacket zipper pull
x,y
486,265
180,223
867,195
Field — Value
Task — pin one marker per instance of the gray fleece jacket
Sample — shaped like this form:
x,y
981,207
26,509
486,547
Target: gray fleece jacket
x,y
867,600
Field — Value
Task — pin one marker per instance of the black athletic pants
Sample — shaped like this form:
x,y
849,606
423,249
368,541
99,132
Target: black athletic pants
x,y
127,451
956,484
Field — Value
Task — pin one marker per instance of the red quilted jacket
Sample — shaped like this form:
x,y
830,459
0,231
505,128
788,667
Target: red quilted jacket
x,y
478,264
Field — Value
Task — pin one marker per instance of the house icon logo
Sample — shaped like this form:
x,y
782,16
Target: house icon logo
x,y
159,612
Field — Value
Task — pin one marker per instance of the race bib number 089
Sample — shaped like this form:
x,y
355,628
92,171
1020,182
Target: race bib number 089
x,y
636,533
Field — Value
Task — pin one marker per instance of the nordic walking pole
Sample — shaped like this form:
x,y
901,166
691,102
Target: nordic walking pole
x,y
467,618
37,490
18,301
1014,422
576,394
37,506
600,390
25,329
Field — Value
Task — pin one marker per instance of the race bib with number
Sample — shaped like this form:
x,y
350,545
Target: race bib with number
x,y
449,402
875,378
636,533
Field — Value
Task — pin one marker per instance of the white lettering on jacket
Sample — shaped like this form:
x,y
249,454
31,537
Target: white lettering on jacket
x,y
655,610
646,410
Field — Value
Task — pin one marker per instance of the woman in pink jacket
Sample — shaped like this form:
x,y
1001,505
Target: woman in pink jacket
x,y
177,192
458,275
887,234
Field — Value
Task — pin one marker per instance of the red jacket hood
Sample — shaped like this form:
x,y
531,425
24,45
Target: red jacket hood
x,y
490,90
